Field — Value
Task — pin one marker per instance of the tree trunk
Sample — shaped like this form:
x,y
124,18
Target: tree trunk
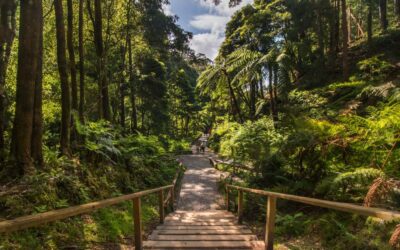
x,y
334,27
71,53
320,34
369,23
81,64
271,95
383,14
104,106
345,44
121,87
261,89
276,93
233,97
63,70
253,97
28,53
37,129
7,35
134,119
397,10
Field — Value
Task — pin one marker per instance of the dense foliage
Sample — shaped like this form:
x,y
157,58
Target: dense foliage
x,y
96,98
300,93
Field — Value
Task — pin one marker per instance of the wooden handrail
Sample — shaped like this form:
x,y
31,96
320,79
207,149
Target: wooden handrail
x,y
271,208
42,218
24,222
237,165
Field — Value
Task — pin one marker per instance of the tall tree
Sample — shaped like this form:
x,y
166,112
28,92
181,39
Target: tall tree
x,y
63,71
345,42
37,126
369,22
134,119
27,73
71,54
7,34
97,20
383,14
81,63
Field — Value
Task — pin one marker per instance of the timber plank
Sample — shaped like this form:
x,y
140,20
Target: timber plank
x,y
200,232
191,227
203,244
178,223
243,237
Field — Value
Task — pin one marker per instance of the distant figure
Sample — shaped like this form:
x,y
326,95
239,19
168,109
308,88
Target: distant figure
x,y
203,146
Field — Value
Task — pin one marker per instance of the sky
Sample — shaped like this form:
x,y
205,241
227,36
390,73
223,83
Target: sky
x,y
205,20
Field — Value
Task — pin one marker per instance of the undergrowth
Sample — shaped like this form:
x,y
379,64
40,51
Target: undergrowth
x,y
108,165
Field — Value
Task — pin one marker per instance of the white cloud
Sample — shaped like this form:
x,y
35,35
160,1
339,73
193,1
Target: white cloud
x,y
223,8
214,23
207,43
167,10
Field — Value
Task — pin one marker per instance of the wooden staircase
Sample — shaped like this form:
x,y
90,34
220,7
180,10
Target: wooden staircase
x,y
212,229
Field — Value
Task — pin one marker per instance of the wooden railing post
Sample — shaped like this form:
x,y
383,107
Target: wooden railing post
x,y
270,227
161,206
227,197
240,207
172,198
137,222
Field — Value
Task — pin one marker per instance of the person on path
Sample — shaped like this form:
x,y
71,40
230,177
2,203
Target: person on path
x,y
203,146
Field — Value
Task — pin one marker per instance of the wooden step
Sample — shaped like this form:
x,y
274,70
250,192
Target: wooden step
x,y
199,231
237,237
191,227
183,217
233,219
202,230
204,223
208,212
203,244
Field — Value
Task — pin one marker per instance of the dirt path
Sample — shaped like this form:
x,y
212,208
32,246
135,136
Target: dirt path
x,y
199,185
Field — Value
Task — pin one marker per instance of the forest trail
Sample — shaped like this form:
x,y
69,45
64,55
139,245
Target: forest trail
x,y
200,222
199,189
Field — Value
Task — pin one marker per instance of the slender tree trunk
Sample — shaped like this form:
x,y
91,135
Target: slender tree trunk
x,y
134,119
104,105
276,92
63,70
71,53
271,96
28,53
383,14
369,23
121,88
253,97
233,97
7,34
349,30
320,34
261,89
397,11
81,65
37,129
345,44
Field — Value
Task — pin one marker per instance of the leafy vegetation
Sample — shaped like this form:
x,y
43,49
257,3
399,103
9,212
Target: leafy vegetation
x,y
308,120
96,98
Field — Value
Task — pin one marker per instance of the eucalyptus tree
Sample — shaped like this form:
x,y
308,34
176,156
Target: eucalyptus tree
x,y
29,60
65,84
7,35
